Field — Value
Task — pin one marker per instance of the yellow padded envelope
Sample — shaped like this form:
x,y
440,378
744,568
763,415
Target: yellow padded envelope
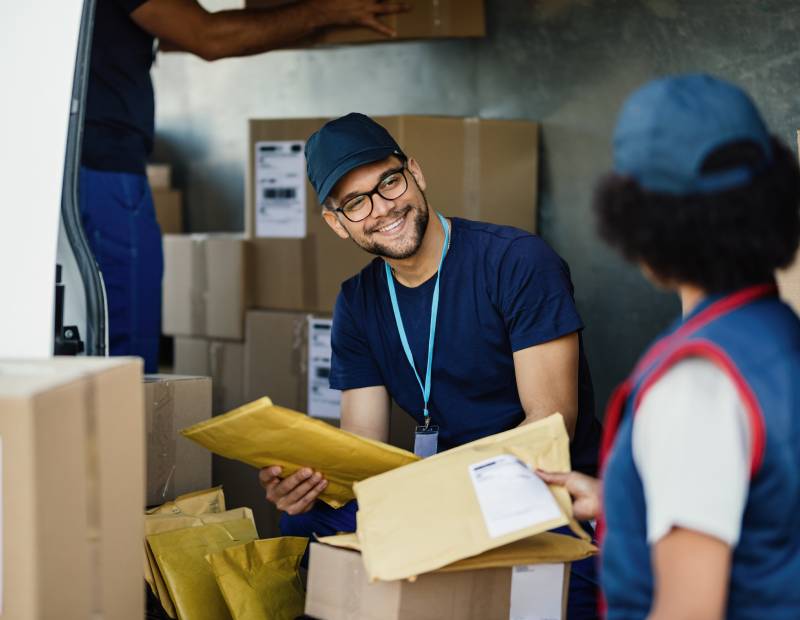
x,y
262,434
463,502
260,580
159,523
180,556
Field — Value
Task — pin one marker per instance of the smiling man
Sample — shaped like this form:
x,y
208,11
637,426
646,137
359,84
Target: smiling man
x,y
470,327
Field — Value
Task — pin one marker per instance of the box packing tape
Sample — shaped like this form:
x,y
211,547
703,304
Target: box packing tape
x,y
472,169
162,436
199,291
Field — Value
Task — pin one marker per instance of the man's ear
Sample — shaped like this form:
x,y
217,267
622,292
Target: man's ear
x,y
416,171
333,221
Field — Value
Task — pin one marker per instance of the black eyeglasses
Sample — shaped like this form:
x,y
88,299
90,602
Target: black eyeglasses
x,y
393,185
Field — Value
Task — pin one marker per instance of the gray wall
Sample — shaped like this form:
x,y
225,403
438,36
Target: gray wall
x,y
566,63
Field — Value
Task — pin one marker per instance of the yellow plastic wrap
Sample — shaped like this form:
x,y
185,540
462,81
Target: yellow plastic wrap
x,y
262,434
180,556
260,580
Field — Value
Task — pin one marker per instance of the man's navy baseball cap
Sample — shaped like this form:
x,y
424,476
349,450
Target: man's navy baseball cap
x,y
670,126
343,145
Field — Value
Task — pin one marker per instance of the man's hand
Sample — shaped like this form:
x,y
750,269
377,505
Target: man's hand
x,y
295,494
585,492
358,13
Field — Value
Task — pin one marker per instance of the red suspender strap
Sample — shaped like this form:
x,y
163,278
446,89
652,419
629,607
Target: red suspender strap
x,y
710,351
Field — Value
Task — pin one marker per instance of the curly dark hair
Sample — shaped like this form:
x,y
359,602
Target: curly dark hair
x,y
719,242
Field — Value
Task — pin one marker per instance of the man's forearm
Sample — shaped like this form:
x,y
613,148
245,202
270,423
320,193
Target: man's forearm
x,y
245,32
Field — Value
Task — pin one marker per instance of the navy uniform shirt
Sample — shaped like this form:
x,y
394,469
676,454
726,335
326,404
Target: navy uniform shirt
x,y
501,290
118,133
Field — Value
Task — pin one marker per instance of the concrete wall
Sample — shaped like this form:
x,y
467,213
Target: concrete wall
x,y
566,63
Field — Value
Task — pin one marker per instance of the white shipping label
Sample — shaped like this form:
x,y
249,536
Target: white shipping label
x,y
280,186
511,496
537,592
323,402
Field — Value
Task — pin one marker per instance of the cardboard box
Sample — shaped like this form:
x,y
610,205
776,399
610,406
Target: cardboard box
x,y
276,349
73,488
169,210
494,178
221,360
428,19
175,465
205,286
44,507
338,589
159,176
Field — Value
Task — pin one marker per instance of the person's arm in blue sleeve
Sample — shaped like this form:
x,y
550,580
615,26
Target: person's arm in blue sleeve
x,y
186,26
365,400
535,297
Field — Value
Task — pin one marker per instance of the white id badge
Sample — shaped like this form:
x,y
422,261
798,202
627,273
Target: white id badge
x,y
426,441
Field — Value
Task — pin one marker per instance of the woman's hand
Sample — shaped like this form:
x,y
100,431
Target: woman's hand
x,y
585,491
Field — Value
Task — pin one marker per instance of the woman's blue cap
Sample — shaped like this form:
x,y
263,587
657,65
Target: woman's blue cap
x,y
342,145
668,128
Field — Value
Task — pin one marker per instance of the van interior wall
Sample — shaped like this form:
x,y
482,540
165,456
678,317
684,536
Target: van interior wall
x,y
566,63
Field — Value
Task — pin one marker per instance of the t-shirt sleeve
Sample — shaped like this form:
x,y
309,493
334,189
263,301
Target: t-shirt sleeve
x,y
535,294
129,6
352,363
691,446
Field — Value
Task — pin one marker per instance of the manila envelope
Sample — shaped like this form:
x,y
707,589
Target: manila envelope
x,y
262,434
463,502
544,548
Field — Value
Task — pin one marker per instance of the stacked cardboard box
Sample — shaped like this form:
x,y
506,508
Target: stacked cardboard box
x,y
72,460
789,278
174,465
166,200
427,19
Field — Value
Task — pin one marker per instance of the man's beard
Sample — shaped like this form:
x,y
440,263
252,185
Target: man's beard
x,y
417,228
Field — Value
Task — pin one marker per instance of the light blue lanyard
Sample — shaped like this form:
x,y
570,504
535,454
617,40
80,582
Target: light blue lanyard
x,y
426,389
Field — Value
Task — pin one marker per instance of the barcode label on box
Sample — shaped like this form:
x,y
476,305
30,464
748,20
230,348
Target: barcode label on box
x,y
323,402
537,592
280,186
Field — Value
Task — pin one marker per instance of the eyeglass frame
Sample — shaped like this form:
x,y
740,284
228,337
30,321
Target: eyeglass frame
x,y
374,191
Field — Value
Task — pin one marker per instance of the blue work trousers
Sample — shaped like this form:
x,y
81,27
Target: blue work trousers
x,y
323,520
120,225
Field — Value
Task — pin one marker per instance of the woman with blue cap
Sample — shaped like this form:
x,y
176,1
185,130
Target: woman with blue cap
x,y
700,509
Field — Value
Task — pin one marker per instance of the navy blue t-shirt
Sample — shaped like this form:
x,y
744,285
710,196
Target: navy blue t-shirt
x,y
118,132
501,290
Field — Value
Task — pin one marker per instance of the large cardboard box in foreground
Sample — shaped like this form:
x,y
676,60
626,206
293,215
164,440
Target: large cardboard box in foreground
x,y
205,285
72,460
175,465
427,19
475,168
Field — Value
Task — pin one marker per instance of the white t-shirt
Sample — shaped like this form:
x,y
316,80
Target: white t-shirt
x,y
691,445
